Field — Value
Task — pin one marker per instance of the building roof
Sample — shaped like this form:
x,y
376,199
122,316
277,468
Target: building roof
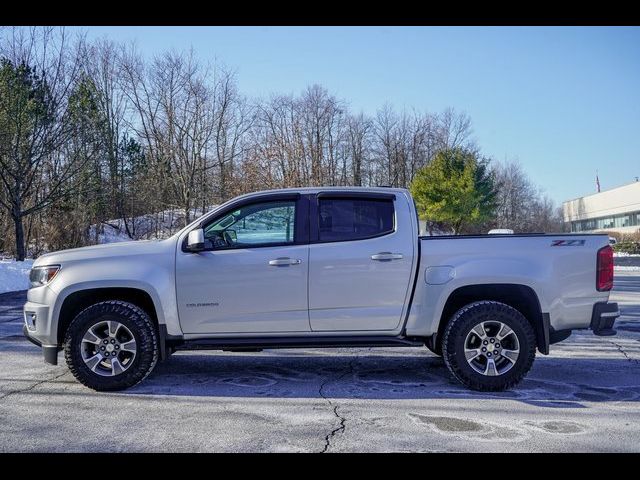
x,y
630,186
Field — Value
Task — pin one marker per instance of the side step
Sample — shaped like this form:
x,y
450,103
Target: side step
x,y
257,344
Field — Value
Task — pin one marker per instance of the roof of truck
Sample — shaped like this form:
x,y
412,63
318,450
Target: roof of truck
x,y
325,189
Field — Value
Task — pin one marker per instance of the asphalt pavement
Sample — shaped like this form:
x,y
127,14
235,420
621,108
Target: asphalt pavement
x,y
583,397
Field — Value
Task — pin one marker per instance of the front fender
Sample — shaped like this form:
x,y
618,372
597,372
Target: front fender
x,y
152,274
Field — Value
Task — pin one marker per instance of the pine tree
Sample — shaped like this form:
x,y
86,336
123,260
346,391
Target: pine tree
x,y
455,189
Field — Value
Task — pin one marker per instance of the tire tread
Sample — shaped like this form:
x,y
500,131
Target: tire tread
x,y
457,371
148,344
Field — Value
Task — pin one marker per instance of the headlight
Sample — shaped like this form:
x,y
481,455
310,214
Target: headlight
x,y
40,276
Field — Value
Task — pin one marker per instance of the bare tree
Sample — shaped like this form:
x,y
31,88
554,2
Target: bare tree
x,y
322,116
277,138
39,68
233,117
521,206
454,130
176,117
101,63
386,131
359,130
516,197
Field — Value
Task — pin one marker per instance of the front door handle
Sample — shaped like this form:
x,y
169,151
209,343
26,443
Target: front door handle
x,y
283,261
386,256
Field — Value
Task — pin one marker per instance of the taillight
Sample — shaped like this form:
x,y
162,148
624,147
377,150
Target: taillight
x,y
604,274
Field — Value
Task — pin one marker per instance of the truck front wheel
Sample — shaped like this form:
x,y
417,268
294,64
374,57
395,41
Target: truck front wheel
x,y
111,345
488,346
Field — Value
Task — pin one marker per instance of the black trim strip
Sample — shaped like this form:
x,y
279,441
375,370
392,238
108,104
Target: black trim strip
x,y
314,219
50,354
603,326
367,195
25,332
544,342
511,235
297,342
413,288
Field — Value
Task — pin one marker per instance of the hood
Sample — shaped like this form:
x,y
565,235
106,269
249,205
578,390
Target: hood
x,y
118,249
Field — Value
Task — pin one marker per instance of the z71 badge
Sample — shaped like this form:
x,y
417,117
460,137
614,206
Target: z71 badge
x,y
567,243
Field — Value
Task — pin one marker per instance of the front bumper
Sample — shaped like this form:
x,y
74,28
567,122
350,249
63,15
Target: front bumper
x,y
603,317
39,328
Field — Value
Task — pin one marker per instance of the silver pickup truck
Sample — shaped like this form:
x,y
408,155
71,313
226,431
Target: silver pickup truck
x,y
319,267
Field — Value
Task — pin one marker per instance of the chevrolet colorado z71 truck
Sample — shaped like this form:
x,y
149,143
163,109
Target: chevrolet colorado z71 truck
x,y
319,267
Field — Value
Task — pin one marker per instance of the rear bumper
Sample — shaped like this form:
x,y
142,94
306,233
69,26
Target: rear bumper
x,y
603,317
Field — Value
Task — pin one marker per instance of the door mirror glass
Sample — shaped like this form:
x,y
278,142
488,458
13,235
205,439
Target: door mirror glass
x,y
195,240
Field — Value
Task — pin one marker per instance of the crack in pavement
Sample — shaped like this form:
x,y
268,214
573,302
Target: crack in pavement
x,y
343,420
622,351
31,387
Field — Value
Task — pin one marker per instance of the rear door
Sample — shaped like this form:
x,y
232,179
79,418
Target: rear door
x,y
360,261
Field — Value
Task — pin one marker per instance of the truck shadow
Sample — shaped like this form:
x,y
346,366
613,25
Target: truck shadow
x,y
553,382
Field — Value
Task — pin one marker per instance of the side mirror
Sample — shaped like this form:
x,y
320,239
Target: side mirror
x,y
195,240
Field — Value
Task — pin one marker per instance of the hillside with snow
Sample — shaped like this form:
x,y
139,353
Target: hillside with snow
x,y
14,275
153,226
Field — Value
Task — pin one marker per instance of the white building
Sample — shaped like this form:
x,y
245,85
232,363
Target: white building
x,y
615,210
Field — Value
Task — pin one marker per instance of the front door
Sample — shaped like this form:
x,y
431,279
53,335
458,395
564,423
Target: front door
x,y
252,277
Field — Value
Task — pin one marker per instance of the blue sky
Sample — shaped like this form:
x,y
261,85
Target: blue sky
x,y
565,102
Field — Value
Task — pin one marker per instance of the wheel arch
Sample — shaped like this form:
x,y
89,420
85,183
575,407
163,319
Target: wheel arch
x,y
78,300
521,297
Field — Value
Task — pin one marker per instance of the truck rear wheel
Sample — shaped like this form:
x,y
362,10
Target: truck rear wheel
x,y
111,345
489,346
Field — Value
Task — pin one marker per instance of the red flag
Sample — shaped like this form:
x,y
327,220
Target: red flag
x,y
597,182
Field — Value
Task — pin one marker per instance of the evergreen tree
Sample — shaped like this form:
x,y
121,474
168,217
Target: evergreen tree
x,y
455,189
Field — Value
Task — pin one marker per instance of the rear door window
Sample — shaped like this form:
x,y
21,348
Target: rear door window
x,y
344,219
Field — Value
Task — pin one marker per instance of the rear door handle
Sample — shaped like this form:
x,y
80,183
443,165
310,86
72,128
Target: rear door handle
x,y
283,261
386,256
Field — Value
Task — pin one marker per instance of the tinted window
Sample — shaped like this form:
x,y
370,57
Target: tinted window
x,y
352,219
251,225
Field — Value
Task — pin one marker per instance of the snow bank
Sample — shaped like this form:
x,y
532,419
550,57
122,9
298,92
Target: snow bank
x,y
153,226
14,275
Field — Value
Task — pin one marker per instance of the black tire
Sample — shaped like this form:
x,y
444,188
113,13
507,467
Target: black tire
x,y
141,327
455,336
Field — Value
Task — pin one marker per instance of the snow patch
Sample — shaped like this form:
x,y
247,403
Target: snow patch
x,y
14,275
